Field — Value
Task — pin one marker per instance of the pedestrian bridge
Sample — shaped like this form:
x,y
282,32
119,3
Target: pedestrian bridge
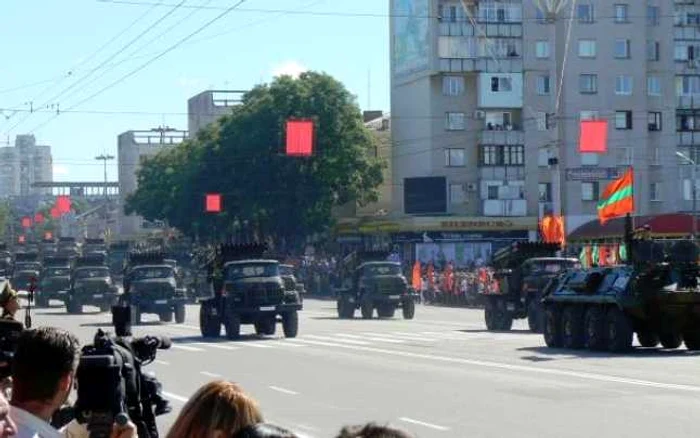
x,y
89,190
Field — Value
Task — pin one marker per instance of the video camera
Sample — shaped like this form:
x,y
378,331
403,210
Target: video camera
x,y
111,385
10,331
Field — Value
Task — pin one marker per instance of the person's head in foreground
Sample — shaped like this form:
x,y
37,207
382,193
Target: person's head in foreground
x,y
372,430
265,430
219,409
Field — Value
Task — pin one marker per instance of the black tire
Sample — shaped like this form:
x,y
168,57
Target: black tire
x,y
209,325
490,315
692,339
266,326
166,316
535,316
386,311
552,327
290,324
367,309
408,309
346,309
618,330
180,313
671,340
497,317
648,338
572,327
232,325
594,334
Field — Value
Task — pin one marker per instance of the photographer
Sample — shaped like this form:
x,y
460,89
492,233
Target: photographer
x,y
43,373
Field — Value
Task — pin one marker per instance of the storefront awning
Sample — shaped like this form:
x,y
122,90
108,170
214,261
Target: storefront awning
x,y
662,226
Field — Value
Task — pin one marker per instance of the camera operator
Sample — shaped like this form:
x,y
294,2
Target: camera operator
x,y
9,301
43,373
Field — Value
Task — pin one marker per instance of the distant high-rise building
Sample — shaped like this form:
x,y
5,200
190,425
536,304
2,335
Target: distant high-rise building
x,y
9,172
23,165
208,106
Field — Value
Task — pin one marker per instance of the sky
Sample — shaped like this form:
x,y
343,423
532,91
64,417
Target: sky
x,y
89,57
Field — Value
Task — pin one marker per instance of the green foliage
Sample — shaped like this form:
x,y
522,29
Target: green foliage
x,y
4,220
242,157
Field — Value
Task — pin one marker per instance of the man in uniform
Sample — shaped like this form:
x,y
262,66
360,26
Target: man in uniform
x,y
9,300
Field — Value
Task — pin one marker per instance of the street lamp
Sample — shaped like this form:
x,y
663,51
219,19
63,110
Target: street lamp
x,y
694,191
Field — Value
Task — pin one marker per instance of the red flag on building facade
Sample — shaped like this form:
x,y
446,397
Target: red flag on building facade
x,y
300,138
213,203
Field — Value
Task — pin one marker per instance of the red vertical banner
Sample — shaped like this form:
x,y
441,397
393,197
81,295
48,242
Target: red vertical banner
x,y
300,138
212,203
21,239
39,218
594,137
26,222
63,204
55,213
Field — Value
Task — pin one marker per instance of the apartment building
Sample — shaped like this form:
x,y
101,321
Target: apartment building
x,y
23,165
208,106
487,97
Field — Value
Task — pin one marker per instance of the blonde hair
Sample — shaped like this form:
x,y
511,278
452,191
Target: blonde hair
x,y
218,406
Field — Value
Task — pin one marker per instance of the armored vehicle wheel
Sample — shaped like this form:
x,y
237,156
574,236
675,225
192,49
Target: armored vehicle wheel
x,y
535,317
367,310
386,311
594,329
409,309
647,338
671,340
346,310
233,326
497,318
166,316
552,327
619,331
290,324
572,327
692,339
209,325
266,326
180,313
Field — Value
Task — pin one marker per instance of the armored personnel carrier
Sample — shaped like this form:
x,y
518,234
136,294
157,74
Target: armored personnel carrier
x,y
522,271
655,296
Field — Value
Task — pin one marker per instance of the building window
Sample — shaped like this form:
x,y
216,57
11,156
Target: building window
x,y
545,190
622,49
453,85
623,85
621,13
656,157
541,119
652,15
542,157
688,85
589,191
492,192
654,121
625,156
588,83
588,115
455,158
623,119
542,49
543,85
452,13
496,155
655,191
653,50
540,17
455,122
587,48
653,86
457,194
489,155
688,190
687,120
588,159
514,155
585,13
501,84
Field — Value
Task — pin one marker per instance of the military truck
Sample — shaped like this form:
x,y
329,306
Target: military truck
x,y
91,285
655,295
291,283
253,292
67,247
54,282
150,286
372,282
117,258
94,245
25,270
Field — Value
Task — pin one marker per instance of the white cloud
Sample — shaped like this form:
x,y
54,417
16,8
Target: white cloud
x,y
289,68
60,170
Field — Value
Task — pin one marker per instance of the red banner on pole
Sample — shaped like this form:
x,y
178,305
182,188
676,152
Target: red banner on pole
x,y
55,213
39,218
300,138
26,222
594,137
213,203
63,204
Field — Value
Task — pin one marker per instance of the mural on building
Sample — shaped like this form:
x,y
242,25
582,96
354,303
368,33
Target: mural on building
x,y
411,36
460,254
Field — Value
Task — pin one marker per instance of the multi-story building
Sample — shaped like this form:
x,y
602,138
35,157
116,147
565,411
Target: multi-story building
x,y
133,148
9,172
487,98
27,163
210,105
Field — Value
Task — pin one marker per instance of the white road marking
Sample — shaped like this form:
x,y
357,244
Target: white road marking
x,y
285,343
374,338
186,348
331,339
413,337
424,424
208,374
283,390
321,343
161,362
217,345
175,397
256,345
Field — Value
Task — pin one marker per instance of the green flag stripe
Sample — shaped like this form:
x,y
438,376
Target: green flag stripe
x,y
619,195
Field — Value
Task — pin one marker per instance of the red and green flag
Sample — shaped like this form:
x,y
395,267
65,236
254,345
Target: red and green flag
x,y
618,198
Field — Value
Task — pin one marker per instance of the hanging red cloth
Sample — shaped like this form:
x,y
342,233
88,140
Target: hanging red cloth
x,y
416,278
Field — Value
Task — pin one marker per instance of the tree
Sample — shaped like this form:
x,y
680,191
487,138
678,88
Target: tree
x,y
241,156
5,217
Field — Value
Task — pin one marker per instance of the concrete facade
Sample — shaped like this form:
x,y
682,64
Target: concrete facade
x,y
208,106
9,172
23,165
471,90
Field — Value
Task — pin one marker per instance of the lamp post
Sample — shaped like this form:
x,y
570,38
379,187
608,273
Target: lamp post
x,y
693,191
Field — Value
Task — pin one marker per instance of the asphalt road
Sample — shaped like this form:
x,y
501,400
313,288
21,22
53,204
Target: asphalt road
x,y
439,375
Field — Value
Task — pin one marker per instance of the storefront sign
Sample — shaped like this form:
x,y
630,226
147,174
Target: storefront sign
x,y
592,173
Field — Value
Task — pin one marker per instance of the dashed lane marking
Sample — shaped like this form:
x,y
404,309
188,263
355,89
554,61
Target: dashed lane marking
x,y
283,390
331,339
217,346
424,424
208,374
175,397
161,362
186,348
374,338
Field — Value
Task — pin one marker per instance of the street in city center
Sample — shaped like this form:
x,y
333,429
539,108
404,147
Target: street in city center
x,y
439,375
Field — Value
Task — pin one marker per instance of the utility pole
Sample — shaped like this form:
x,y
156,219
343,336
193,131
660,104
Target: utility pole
x,y
104,158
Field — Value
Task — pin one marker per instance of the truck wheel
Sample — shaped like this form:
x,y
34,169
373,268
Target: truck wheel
x,y
552,327
572,327
232,325
209,325
671,339
409,309
619,331
180,313
490,315
266,326
692,339
74,307
342,310
290,324
647,338
386,311
367,310
535,317
594,329
166,316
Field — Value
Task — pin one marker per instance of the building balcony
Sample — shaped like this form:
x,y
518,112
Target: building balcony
x,y
545,207
505,207
688,138
686,32
687,67
501,137
688,102
488,30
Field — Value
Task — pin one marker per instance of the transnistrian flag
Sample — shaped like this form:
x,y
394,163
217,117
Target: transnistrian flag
x,y
618,198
